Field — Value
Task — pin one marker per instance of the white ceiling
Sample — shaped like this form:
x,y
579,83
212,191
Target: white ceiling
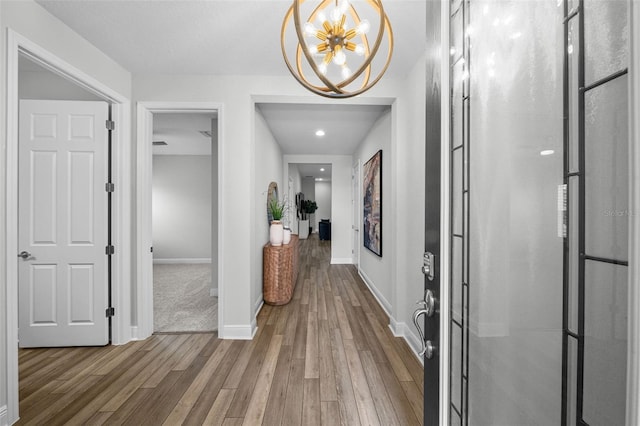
x,y
315,171
232,37
345,126
235,37
182,134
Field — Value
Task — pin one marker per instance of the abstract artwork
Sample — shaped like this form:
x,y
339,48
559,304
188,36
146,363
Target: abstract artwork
x,y
372,189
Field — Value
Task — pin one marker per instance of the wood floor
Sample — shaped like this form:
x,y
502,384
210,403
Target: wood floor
x,y
326,358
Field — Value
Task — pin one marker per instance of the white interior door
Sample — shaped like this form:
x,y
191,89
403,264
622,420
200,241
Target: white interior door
x,y
63,290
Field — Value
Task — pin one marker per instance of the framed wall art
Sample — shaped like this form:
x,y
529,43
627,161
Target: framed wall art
x,y
372,203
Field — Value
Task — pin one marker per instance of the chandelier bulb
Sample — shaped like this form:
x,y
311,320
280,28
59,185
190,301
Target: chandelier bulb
x,y
336,14
310,29
363,27
339,58
322,68
346,72
360,50
313,49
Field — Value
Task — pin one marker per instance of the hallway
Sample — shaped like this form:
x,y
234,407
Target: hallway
x,y
327,357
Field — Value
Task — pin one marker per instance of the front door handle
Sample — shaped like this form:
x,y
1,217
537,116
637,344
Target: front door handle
x,y
24,254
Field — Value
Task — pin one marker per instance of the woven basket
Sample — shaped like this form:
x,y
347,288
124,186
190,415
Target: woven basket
x,y
280,271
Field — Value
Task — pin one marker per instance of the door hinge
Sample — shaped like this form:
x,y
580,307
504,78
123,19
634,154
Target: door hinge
x,y
110,250
110,312
111,125
109,187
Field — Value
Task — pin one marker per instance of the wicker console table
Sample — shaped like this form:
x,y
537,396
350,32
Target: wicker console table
x,y
280,272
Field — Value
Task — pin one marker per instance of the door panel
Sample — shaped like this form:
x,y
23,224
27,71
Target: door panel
x,y
432,212
62,223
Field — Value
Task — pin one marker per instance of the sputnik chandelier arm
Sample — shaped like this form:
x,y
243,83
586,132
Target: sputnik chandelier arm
x,y
331,48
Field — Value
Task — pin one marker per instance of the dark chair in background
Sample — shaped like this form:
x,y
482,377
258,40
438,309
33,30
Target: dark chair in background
x,y
325,229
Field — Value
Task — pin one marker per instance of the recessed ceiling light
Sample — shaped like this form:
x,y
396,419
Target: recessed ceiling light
x,y
322,169
547,152
320,179
320,132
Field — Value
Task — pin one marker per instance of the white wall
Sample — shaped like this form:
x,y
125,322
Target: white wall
x,y
377,271
409,190
182,204
268,169
323,198
31,21
340,200
49,86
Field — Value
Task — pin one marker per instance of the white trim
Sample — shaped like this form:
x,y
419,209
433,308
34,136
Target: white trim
x,y
401,329
187,261
17,44
240,332
341,261
633,348
144,302
445,119
134,332
386,306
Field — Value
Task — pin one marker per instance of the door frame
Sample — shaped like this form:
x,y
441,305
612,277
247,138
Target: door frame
x,y
144,236
633,348
121,268
356,217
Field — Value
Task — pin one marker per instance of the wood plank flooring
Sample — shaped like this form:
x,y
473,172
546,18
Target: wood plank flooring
x,y
326,358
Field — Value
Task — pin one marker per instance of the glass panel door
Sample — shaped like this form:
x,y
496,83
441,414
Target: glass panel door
x,y
539,212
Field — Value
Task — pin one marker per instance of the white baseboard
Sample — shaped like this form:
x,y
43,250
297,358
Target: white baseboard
x,y
134,333
401,329
213,292
341,261
238,332
4,416
379,297
181,261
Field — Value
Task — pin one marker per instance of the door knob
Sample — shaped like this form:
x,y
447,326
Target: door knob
x,y
24,254
429,349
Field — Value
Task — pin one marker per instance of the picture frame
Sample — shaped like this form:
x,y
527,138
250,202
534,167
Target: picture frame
x,y
372,204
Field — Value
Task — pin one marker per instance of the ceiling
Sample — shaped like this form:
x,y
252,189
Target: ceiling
x,y
345,126
315,171
236,37
182,133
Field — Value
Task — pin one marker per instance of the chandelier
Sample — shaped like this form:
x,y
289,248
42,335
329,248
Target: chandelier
x,y
331,54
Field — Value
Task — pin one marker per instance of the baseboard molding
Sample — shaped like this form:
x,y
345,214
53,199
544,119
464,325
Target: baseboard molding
x,y
401,329
341,261
379,297
181,261
238,332
4,416
213,292
134,333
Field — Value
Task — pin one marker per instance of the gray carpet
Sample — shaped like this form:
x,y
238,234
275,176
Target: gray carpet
x,y
181,298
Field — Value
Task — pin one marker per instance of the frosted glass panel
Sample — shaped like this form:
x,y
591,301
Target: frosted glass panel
x,y
456,106
456,279
606,38
573,50
606,171
516,271
456,35
456,366
456,187
605,352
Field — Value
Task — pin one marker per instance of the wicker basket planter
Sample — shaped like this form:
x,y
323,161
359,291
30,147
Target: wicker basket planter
x,y
280,272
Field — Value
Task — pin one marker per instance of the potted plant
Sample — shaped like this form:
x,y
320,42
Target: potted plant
x,y
276,230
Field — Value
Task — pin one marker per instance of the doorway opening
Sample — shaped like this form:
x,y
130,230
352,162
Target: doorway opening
x,y
185,295
188,167
20,52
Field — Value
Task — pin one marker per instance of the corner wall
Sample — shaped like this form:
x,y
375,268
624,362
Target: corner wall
x,y
268,169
